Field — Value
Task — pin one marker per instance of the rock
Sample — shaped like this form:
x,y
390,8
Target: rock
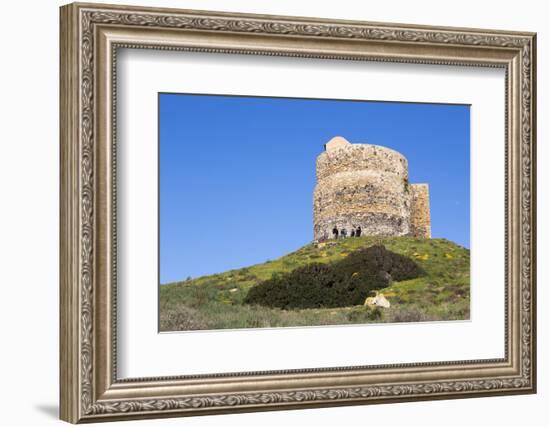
x,y
369,301
233,290
379,300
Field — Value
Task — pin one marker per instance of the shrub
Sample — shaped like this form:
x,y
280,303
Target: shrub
x,y
364,314
407,315
342,283
180,319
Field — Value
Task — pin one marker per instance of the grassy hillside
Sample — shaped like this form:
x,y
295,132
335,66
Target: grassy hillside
x,y
216,301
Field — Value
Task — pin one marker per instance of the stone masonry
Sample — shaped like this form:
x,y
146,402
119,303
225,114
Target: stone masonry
x,y
368,186
420,211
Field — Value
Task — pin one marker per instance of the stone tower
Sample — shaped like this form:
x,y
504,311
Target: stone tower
x,y
368,186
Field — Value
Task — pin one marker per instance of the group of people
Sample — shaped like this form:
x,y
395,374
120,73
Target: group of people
x,y
343,233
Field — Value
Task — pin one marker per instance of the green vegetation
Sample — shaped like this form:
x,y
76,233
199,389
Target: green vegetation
x,y
342,283
218,301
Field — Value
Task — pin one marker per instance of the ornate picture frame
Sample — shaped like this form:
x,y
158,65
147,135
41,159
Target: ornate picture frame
x,y
90,37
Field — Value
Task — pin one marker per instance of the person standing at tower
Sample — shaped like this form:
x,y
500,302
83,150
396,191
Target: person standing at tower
x,y
358,231
335,232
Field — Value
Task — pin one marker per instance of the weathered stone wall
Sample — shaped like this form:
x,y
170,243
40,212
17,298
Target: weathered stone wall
x,y
420,211
363,185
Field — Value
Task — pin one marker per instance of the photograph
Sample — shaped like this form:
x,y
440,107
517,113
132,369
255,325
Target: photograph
x,y
268,209
297,212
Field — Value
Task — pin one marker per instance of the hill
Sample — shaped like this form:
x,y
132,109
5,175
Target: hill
x,y
216,301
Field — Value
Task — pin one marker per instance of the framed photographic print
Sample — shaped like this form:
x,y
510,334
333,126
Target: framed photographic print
x,y
265,212
371,228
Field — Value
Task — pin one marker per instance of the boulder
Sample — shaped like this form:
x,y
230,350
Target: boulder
x,y
379,300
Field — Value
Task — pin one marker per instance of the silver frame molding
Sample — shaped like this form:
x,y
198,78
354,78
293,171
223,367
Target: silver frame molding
x,y
90,37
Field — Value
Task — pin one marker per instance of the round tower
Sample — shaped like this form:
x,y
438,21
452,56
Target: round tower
x,y
361,185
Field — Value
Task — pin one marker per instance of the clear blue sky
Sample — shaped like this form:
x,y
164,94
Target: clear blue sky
x,y
237,173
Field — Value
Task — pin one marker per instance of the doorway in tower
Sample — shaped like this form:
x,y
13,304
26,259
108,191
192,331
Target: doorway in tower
x,y
277,212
